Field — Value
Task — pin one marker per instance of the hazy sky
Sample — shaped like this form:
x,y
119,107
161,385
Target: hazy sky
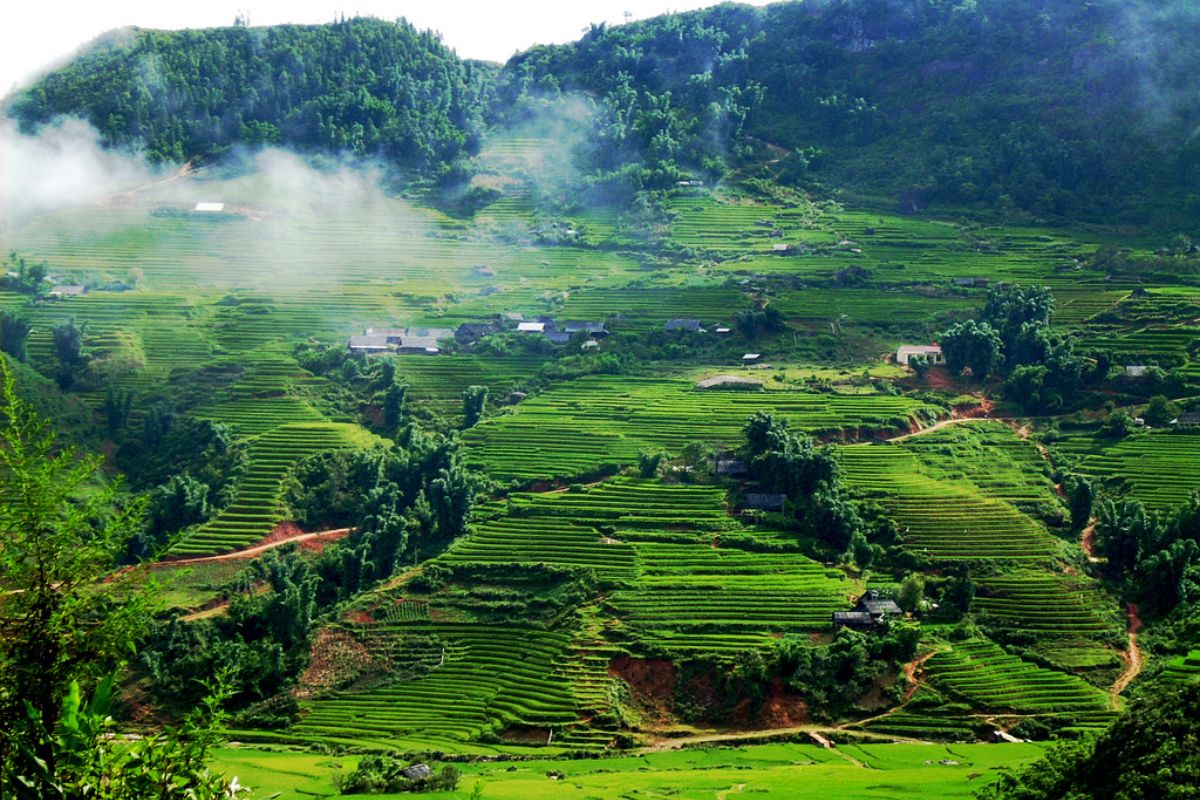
x,y
37,33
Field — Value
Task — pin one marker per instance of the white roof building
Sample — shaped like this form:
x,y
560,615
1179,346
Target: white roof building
x,y
929,353
209,207
531,327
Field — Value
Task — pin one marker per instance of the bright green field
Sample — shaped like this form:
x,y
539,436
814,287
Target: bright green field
x,y
786,771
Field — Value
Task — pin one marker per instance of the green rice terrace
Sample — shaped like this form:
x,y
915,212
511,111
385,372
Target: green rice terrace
x,y
555,547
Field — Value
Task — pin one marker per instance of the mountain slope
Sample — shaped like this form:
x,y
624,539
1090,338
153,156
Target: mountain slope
x,y
362,85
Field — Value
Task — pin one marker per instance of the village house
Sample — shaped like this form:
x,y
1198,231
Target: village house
x,y
751,358
684,325
369,343
531,327
782,249
594,329
590,344
928,353
1188,419
67,290
558,337
730,467
471,332
209,208
764,502
871,609
1135,371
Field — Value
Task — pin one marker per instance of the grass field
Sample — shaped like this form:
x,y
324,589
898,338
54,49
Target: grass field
x,y
786,771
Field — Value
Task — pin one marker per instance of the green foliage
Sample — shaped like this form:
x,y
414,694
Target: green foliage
x,y
363,86
474,401
14,331
62,619
384,774
1157,557
974,345
89,762
1160,411
1151,751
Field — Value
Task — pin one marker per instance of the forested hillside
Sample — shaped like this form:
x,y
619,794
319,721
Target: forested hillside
x,y
363,86
1059,107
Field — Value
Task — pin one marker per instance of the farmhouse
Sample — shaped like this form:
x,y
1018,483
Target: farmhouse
x,y
1189,419
531,327
765,502
871,609
751,358
558,337
595,329
783,249
67,290
590,344
470,332
369,343
417,772
729,382
930,354
209,208
731,467
1135,371
685,325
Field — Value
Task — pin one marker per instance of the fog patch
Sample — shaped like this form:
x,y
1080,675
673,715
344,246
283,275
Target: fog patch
x,y
64,165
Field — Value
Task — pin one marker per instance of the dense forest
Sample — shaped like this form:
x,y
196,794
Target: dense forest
x,y
361,86
1056,107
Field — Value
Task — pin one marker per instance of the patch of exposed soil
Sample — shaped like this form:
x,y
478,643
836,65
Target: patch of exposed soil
x,y
651,682
782,707
337,657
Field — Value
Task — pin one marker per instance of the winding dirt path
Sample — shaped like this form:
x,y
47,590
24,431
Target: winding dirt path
x,y
257,550
1133,658
1088,542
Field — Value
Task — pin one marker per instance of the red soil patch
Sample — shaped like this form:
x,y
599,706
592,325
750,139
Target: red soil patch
x,y
651,681
782,707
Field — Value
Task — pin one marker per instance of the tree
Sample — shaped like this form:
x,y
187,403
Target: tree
x,y
1082,496
974,345
14,331
474,399
1160,411
912,592
393,406
62,619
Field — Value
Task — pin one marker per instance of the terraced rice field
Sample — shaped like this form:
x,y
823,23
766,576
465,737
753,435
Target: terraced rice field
x,y
943,519
483,678
981,674
680,589
1183,668
256,509
579,427
1161,469
1047,604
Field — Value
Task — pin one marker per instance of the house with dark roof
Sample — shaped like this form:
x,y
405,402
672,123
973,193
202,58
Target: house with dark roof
x,y
764,502
470,332
871,609
558,337
594,329
731,467
684,325
418,772
1188,419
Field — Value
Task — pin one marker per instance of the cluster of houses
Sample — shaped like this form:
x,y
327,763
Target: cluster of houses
x,y
563,333
428,341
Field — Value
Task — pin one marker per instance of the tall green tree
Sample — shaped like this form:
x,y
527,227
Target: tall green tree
x,y
63,618
14,331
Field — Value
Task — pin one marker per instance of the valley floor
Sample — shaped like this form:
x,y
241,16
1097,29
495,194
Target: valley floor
x,y
791,771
